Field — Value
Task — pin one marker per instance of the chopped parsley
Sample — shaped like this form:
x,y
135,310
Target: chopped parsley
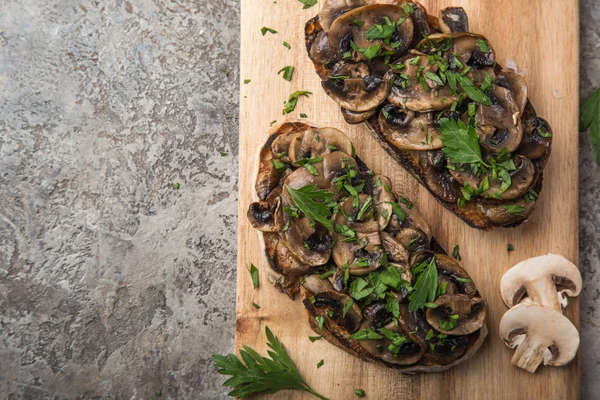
x,y
589,118
264,30
287,45
254,275
510,247
288,72
290,105
456,253
308,3
320,364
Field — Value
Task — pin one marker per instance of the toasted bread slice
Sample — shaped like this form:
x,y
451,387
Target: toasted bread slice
x,y
372,235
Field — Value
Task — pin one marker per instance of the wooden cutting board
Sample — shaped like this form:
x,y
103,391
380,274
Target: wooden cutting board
x,y
542,36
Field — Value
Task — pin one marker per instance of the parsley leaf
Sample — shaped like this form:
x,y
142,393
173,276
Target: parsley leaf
x,y
308,3
483,46
261,374
461,143
472,91
359,392
314,338
293,100
307,200
366,334
456,253
254,275
287,45
264,30
288,73
589,117
425,288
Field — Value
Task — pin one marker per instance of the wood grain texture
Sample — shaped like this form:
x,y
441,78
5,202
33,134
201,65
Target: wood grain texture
x,y
542,36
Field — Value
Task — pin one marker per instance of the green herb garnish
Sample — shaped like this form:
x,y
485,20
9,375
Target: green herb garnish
x,y
290,105
308,3
261,374
288,72
254,275
264,30
456,253
425,288
589,117
515,210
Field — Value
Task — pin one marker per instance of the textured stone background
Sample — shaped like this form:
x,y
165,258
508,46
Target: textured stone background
x,y
113,283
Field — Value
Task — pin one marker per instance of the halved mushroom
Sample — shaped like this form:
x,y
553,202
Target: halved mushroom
x,y
353,117
447,268
413,239
454,19
395,346
540,334
499,125
316,142
355,88
281,145
517,85
359,26
545,280
361,252
432,165
457,314
409,130
267,178
504,213
395,249
417,86
289,264
537,138
520,180
326,297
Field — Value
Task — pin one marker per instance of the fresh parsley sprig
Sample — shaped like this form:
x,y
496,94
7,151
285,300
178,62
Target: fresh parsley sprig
x,y
461,143
290,105
589,118
425,288
313,203
261,374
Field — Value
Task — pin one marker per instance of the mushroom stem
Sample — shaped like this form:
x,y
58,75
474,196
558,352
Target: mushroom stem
x,y
529,354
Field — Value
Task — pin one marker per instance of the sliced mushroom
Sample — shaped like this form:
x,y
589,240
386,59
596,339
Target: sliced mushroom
x,y
289,264
317,142
448,268
413,239
537,138
353,117
540,334
326,297
418,87
517,85
520,180
403,352
409,130
267,179
545,280
382,198
359,255
354,88
454,19
395,249
261,214
466,46
436,176
457,314
502,213
321,51
281,145
354,26
499,125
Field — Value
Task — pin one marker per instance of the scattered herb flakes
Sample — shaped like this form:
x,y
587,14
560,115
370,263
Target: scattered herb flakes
x,y
223,153
310,201
408,9
472,91
320,364
247,81
176,185
359,392
515,210
254,275
287,45
589,118
288,72
256,306
456,253
290,105
320,321
261,374
308,3
302,115
327,274
314,338
449,324
366,334
510,247
225,71
462,280
264,30
273,122
483,46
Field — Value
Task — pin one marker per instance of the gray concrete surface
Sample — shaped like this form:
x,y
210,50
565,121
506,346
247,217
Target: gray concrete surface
x,y
113,283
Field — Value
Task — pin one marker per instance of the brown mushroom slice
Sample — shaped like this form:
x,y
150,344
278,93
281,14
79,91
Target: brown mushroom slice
x,y
417,86
454,19
316,142
394,248
499,125
289,264
267,178
540,334
321,51
546,280
360,254
415,219
520,180
353,117
281,145
437,179
466,46
413,239
505,213
357,94
331,166
457,314
382,198
326,297
517,85
261,213
537,138
359,24
409,130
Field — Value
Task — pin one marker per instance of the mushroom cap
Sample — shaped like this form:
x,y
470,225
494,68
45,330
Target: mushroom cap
x,y
540,334
546,280
470,314
409,130
454,19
